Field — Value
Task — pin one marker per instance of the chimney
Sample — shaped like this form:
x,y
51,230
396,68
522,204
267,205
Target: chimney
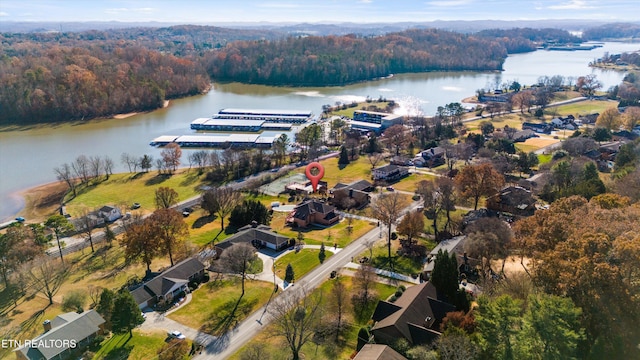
x,y
254,224
47,325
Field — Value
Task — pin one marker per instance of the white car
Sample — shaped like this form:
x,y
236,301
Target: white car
x,y
176,335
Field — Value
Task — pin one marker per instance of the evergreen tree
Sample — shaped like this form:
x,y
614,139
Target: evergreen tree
x,y
445,274
344,156
322,255
250,210
289,275
126,314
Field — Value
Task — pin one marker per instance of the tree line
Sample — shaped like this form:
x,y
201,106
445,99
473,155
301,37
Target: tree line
x,y
520,40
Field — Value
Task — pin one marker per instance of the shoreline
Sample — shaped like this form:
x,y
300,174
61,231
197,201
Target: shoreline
x,y
37,202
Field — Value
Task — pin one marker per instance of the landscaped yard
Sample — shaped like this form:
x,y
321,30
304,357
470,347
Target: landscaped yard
x,y
216,304
359,169
122,190
401,264
302,262
142,346
410,182
329,349
336,234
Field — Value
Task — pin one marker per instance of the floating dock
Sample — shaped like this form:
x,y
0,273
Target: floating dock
x,y
242,141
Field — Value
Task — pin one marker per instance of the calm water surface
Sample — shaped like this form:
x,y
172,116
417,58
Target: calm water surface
x,y
28,156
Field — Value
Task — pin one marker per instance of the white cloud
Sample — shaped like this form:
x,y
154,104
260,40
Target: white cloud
x,y
2,13
449,3
572,5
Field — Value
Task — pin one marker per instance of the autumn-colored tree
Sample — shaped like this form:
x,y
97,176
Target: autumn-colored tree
x,y
171,155
396,138
588,84
411,225
609,119
475,181
169,229
165,197
631,117
175,349
140,243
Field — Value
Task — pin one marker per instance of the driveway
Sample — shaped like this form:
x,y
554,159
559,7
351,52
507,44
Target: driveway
x,y
157,320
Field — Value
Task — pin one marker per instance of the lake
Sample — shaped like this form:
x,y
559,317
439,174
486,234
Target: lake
x,y
28,156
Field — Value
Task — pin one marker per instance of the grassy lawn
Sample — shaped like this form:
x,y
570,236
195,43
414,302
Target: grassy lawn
x,y
125,189
410,182
140,346
401,264
302,262
526,148
216,304
329,349
203,229
348,112
544,158
336,234
360,169
582,108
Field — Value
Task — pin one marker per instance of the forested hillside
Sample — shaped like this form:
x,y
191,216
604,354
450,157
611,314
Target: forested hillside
x,y
333,60
528,39
613,31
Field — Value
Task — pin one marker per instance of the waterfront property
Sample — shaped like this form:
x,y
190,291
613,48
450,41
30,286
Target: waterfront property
x,y
217,141
227,125
374,121
269,116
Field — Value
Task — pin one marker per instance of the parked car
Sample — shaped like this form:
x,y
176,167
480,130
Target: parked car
x,y
20,219
135,205
390,188
176,335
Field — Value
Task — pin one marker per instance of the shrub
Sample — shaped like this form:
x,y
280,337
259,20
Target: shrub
x,y
74,300
393,298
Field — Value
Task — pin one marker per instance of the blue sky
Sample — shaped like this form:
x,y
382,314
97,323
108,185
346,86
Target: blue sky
x,y
360,11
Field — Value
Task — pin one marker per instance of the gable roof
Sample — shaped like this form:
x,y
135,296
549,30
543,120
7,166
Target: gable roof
x,y
68,326
248,234
378,352
161,284
309,207
107,209
387,168
417,315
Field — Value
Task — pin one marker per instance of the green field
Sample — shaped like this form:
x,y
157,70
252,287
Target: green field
x,y
410,182
122,190
344,348
348,112
359,169
216,304
141,346
302,262
582,108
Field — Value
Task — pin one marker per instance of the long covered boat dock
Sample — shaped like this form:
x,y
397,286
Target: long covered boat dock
x,y
217,141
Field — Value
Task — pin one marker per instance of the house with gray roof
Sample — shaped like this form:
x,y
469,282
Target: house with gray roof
x,y
378,352
258,236
171,282
62,335
313,212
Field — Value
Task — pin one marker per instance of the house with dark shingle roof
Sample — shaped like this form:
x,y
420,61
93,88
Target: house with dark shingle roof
x,y
415,316
258,236
353,195
515,200
62,335
313,212
171,282
389,173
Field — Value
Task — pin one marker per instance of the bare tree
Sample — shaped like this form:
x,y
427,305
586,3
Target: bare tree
x,y
87,223
295,317
338,302
237,259
65,173
94,294
387,208
128,160
81,168
171,155
95,166
108,166
221,201
364,283
46,276
374,159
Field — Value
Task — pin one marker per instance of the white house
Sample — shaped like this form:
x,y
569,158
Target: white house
x,y
109,213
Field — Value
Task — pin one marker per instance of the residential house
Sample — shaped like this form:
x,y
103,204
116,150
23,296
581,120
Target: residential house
x,y
378,352
433,157
543,128
415,316
609,151
389,173
313,212
567,123
62,335
301,185
589,119
353,195
170,283
515,200
109,213
256,235
453,245
523,135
